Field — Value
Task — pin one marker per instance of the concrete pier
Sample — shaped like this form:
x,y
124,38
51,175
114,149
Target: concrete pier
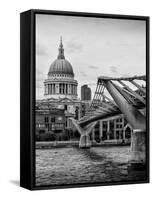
x,y
137,157
84,141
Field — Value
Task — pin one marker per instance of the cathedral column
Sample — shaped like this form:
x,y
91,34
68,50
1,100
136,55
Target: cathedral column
x,y
70,88
49,88
45,89
58,88
52,88
61,88
76,90
64,88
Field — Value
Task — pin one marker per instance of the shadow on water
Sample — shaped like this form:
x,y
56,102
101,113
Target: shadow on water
x,y
91,154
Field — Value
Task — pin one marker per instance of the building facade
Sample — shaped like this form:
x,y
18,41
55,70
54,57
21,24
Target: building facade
x,y
60,104
114,128
60,94
85,93
60,82
49,122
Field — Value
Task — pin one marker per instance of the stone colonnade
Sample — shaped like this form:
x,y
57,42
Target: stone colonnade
x,y
118,126
61,88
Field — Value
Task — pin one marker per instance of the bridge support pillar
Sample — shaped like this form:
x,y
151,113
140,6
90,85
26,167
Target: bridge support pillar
x,y
85,141
84,133
137,157
138,122
100,130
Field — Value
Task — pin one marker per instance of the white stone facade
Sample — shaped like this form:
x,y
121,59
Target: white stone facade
x,y
60,87
60,82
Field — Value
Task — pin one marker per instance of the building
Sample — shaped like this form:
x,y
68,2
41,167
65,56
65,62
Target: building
x,y
60,104
60,93
85,93
48,123
60,82
114,128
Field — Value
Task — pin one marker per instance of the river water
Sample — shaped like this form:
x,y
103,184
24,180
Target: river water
x,y
73,165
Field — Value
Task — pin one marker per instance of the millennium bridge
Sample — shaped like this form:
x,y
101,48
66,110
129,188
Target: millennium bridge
x,y
114,96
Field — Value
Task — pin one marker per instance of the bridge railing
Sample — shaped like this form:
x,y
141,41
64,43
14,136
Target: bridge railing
x,y
103,104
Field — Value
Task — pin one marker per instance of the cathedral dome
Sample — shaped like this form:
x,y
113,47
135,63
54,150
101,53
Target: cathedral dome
x,y
60,82
61,65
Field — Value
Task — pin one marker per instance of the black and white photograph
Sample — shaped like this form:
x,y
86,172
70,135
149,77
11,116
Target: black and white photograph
x,y
90,100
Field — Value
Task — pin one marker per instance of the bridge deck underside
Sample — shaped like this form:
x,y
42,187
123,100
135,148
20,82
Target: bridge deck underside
x,y
104,106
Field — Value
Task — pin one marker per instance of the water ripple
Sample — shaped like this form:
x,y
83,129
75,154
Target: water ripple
x,y
74,165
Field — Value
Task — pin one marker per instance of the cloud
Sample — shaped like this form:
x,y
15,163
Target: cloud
x,y
113,69
39,84
83,74
40,77
41,50
126,75
39,72
93,67
91,84
73,46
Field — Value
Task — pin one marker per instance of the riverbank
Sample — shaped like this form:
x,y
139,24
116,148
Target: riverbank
x,y
58,166
67,144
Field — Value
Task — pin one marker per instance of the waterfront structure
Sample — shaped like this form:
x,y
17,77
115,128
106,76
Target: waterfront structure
x,y
60,89
114,128
126,100
49,121
85,93
59,96
71,108
60,82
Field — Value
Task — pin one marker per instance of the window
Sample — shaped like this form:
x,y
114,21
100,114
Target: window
x,y
53,119
65,107
46,119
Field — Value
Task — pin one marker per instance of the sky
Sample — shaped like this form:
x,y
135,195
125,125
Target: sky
x,y
94,47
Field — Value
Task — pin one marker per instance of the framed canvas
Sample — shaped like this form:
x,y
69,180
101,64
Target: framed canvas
x,y
84,99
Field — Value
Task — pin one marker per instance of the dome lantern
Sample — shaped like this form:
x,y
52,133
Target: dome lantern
x,y
61,50
61,65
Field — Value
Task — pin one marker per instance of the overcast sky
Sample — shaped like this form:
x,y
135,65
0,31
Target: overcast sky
x,y
94,47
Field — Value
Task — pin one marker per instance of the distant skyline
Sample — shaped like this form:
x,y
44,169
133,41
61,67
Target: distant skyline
x,y
94,47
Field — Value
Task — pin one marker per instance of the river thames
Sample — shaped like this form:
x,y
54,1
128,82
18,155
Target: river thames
x,y
72,165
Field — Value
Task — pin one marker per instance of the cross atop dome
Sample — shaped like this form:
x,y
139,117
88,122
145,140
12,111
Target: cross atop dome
x,y
61,50
61,44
